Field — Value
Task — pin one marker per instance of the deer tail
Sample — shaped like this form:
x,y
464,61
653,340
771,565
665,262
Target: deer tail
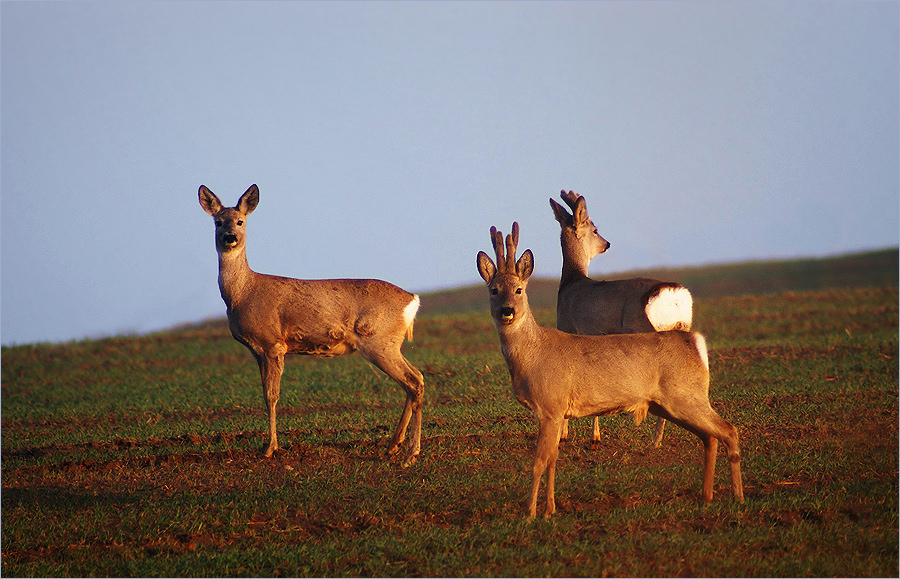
x,y
409,316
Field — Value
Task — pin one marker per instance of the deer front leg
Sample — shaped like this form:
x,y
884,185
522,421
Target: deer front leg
x,y
551,482
549,433
271,367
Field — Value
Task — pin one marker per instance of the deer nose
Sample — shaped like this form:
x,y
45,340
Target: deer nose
x,y
507,313
229,238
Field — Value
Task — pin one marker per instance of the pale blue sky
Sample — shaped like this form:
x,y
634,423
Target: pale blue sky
x,y
386,138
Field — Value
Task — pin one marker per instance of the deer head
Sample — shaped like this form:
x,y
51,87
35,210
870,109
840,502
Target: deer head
x,y
508,278
230,232
577,228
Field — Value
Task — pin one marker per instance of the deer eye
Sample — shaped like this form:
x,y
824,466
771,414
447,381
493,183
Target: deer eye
x,y
240,222
518,290
218,223
493,291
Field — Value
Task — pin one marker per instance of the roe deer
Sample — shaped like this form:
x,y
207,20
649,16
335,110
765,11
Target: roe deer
x,y
626,306
558,375
273,316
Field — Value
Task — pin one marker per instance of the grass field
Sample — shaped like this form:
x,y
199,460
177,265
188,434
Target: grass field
x,y
140,456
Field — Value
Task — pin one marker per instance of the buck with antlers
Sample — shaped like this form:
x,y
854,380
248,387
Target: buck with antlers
x,y
273,316
558,375
626,306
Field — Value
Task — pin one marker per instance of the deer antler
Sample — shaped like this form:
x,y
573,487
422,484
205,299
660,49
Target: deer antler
x,y
506,262
558,375
570,197
512,241
497,242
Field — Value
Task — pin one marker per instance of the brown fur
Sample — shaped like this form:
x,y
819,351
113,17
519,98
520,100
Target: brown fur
x,y
586,306
558,375
273,316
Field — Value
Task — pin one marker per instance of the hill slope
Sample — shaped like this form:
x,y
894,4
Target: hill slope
x,y
869,269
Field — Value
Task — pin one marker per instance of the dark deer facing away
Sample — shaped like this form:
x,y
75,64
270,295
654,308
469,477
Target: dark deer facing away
x,y
558,375
273,316
626,306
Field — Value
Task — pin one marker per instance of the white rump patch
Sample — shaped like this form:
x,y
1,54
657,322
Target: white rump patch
x,y
700,343
409,314
671,309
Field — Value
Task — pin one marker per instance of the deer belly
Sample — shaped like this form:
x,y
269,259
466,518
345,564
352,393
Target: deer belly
x,y
334,343
637,408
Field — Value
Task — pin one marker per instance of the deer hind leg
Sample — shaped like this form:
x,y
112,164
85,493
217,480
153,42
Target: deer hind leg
x,y
271,367
711,428
710,445
730,439
412,416
726,432
413,383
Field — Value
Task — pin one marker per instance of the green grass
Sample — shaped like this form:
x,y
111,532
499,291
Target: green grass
x,y
140,456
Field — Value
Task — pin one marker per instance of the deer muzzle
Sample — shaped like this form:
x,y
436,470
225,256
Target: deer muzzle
x,y
507,314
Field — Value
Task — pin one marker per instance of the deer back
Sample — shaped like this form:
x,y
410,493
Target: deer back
x,y
321,317
586,306
606,307
271,313
573,376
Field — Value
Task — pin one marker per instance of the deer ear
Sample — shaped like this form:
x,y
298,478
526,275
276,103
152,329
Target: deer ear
x,y
486,267
525,265
249,200
580,213
561,214
208,201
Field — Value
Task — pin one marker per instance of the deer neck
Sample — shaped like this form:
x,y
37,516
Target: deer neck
x,y
234,276
519,339
575,260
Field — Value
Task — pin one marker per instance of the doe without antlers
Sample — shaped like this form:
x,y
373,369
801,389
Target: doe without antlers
x,y
273,316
